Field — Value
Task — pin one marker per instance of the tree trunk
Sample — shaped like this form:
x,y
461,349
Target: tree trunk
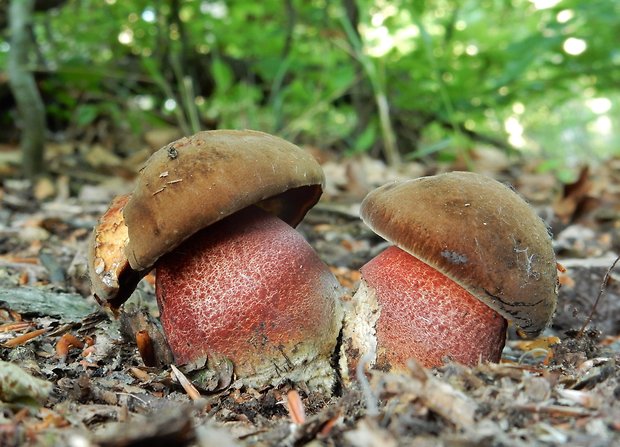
x,y
24,88
361,92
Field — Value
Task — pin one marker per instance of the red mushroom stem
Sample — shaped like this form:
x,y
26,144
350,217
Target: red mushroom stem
x,y
427,316
252,289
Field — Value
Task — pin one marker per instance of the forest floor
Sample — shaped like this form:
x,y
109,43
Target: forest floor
x,y
70,375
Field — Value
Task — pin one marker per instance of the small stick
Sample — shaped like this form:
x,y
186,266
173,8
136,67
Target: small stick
x,y
555,410
295,407
372,407
18,260
15,326
600,294
191,391
21,339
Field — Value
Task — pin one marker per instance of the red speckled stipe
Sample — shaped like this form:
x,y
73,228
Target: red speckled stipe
x,y
250,288
427,316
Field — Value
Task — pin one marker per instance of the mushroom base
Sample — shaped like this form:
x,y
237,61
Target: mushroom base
x,y
251,289
419,313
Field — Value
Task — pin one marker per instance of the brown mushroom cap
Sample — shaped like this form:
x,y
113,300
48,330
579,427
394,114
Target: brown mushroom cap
x,y
479,233
196,181
188,185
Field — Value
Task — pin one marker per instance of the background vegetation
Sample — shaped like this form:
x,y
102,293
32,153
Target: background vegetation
x,y
401,79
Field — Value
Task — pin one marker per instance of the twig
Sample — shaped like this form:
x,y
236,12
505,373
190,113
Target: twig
x,y
21,339
295,407
555,410
191,391
15,326
372,408
600,294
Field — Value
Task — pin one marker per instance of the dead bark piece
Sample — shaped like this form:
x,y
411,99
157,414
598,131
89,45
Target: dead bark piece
x,y
16,385
67,307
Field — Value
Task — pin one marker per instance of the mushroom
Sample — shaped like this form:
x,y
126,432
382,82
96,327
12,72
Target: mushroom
x,y
469,253
214,214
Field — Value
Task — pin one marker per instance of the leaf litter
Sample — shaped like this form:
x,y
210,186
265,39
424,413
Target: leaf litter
x,y
77,376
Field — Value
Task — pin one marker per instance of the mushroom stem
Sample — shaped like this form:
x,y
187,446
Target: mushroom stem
x,y
250,288
420,313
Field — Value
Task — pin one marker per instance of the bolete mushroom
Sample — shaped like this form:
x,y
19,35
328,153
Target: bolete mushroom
x,y
214,213
469,253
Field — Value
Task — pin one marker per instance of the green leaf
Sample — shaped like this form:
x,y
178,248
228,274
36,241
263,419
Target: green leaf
x,y
86,114
222,75
365,140
430,149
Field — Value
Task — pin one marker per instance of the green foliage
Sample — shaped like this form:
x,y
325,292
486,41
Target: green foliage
x,y
441,76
